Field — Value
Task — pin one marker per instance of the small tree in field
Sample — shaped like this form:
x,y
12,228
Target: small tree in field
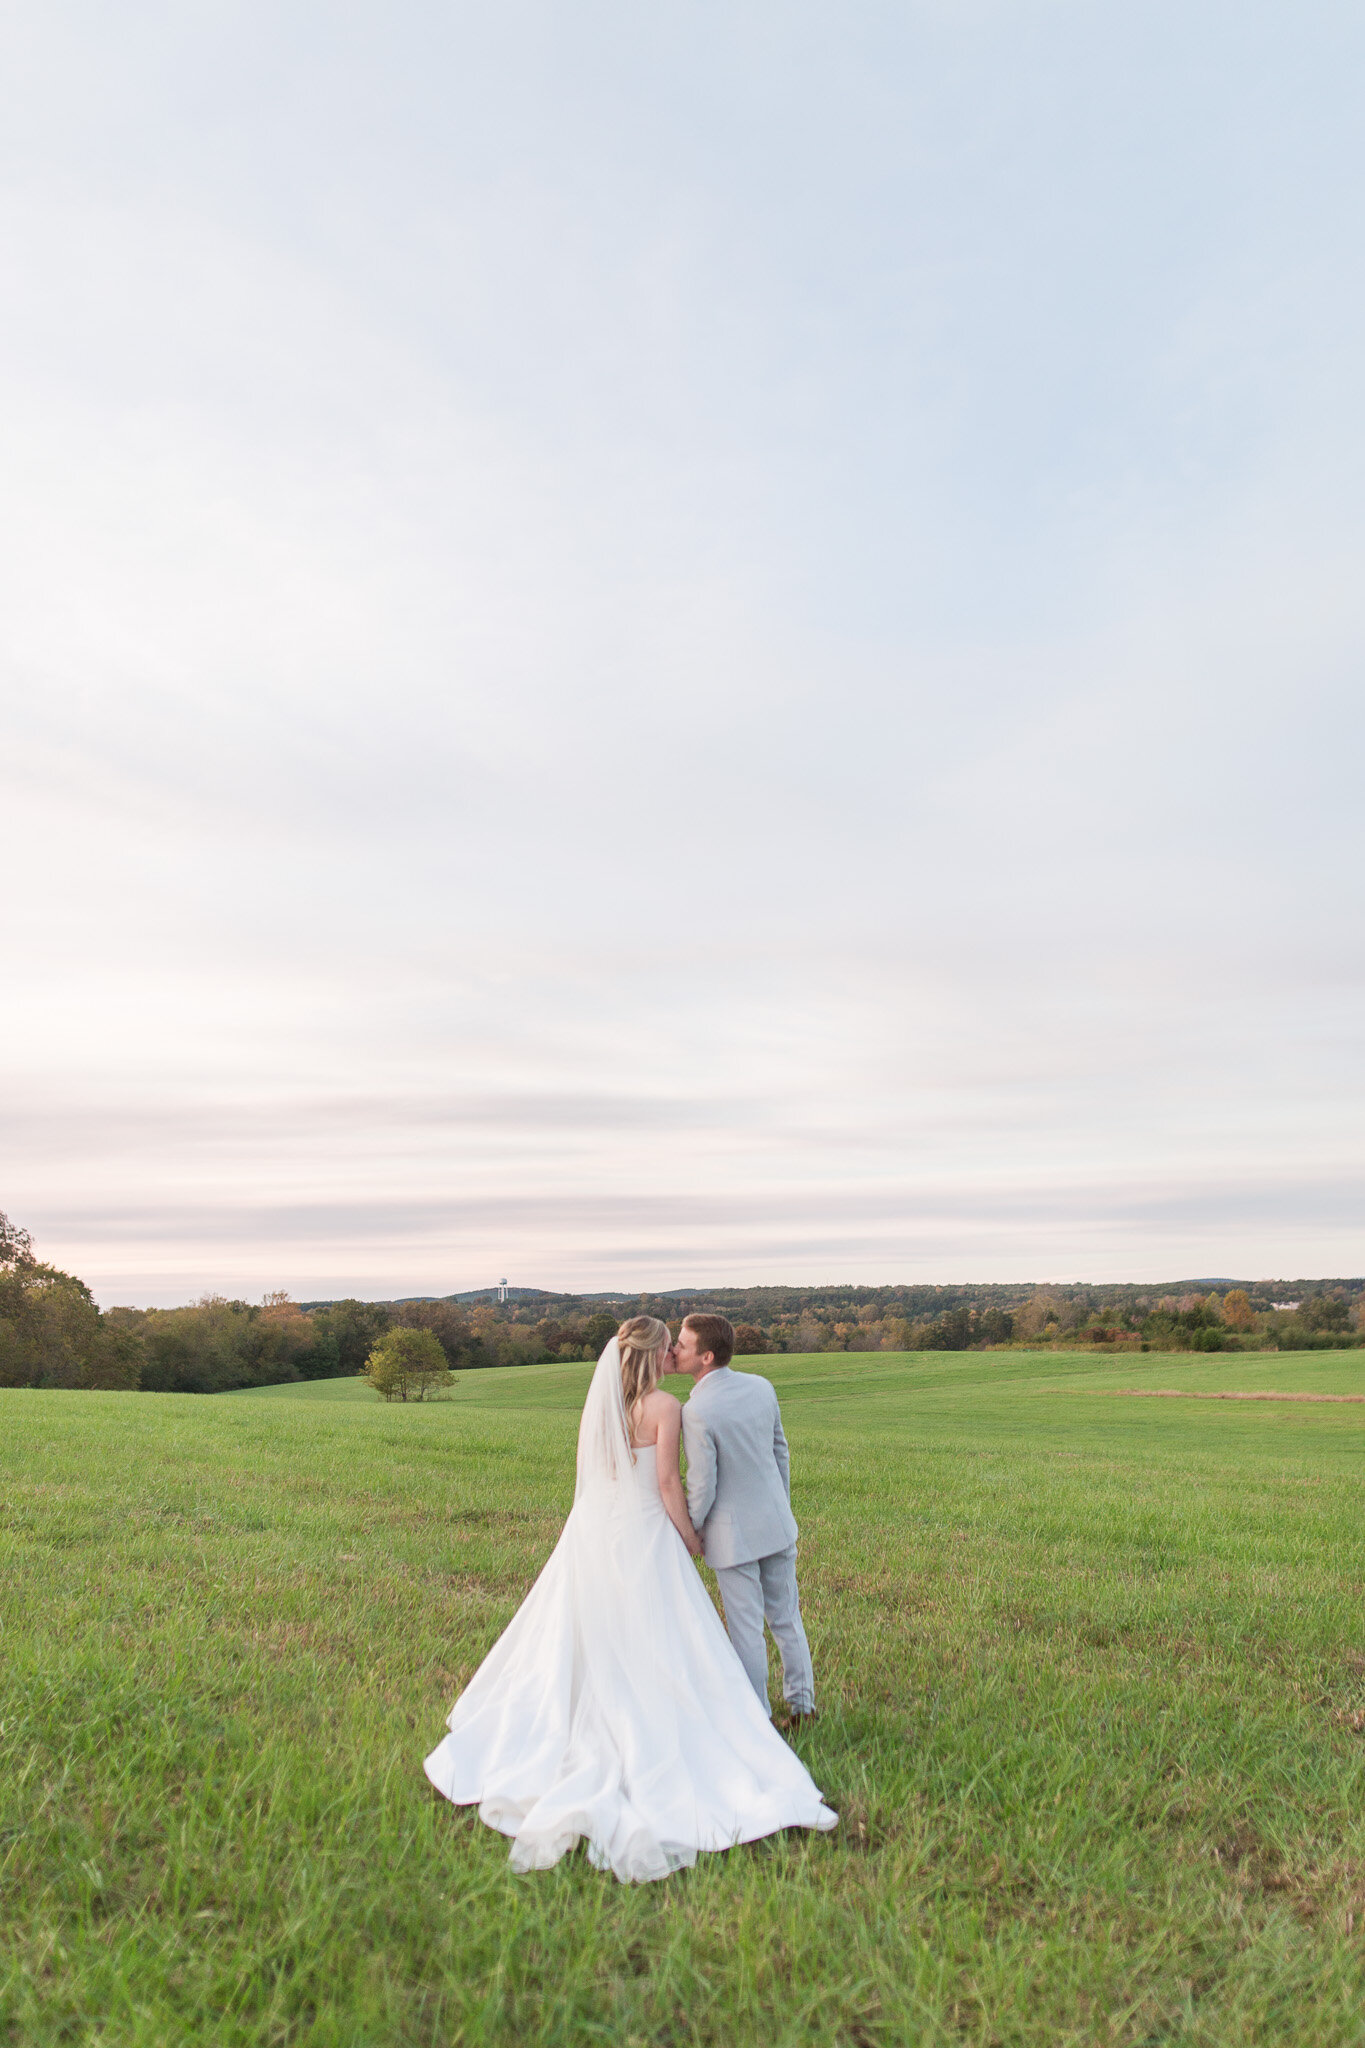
x,y
408,1365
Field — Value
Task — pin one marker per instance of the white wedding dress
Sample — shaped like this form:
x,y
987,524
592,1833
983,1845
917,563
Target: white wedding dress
x,y
613,1707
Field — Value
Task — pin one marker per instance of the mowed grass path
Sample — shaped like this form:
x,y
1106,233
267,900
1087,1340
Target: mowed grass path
x,y
1089,1671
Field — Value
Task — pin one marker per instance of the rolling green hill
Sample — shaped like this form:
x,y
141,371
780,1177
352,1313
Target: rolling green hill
x,y
1093,1685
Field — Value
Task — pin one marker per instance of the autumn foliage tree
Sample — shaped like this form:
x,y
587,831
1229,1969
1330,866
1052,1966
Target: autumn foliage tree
x,y
1237,1310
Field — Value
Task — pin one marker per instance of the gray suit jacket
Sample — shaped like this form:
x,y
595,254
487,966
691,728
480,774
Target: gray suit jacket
x,y
738,1469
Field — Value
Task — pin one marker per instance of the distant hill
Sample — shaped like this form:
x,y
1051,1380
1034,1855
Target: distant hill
x,y
470,1294
914,1299
516,1297
491,1294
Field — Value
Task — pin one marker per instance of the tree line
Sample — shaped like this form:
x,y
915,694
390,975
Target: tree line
x,y
53,1334
1175,1315
1287,1315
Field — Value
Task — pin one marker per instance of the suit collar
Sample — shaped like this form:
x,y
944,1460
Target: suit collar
x,y
717,1372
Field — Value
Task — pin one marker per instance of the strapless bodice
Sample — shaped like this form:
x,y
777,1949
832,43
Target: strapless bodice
x,y
647,1479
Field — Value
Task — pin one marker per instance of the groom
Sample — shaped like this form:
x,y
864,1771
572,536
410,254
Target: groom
x,y
739,1498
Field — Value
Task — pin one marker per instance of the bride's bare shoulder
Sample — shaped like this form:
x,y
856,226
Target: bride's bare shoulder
x,y
659,1412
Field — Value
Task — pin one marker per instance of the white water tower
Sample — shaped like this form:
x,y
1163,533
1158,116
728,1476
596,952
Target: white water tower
x,y
502,1290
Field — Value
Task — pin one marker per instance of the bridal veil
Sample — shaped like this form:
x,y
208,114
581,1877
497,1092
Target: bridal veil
x,y
613,1708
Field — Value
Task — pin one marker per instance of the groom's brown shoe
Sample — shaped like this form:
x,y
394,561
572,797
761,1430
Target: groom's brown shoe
x,y
794,1718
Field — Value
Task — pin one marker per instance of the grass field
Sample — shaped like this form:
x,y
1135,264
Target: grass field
x,y
1093,1690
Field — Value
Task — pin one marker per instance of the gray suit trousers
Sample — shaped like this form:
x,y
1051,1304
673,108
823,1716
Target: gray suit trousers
x,y
766,1588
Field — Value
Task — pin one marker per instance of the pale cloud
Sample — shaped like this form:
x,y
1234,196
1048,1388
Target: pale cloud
x,y
654,649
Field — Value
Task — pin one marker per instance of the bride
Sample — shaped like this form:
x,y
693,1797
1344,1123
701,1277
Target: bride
x,y
613,1707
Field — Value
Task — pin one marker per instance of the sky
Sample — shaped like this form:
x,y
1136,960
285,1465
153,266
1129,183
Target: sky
x,y
681,646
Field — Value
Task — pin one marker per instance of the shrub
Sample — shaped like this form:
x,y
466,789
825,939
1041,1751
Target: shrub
x,y
408,1365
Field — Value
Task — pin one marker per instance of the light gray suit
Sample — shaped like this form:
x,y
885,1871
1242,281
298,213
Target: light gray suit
x,y
739,1498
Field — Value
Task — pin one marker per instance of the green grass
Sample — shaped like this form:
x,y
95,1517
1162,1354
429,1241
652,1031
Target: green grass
x,y
1089,1668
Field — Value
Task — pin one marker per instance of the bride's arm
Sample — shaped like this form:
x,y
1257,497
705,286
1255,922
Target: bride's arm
x,y
670,1482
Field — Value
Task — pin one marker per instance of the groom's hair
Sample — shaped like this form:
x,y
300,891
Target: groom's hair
x,y
714,1334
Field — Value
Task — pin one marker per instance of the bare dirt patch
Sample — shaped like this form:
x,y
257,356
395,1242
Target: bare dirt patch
x,y
1188,1394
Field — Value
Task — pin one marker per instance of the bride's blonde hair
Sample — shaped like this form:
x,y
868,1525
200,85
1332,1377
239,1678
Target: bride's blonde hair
x,y
642,1341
